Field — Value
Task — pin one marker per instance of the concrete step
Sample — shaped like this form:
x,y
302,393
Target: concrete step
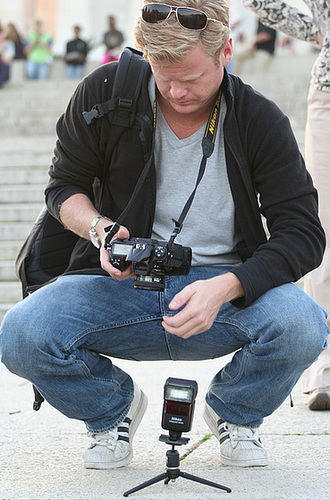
x,y
22,176
7,271
10,292
33,108
33,92
28,159
35,144
21,193
17,235
19,212
30,127
9,249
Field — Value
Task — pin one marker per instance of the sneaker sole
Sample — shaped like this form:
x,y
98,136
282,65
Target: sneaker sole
x,y
140,411
246,463
209,419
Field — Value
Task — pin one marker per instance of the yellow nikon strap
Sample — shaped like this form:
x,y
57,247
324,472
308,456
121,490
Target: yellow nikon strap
x,y
212,127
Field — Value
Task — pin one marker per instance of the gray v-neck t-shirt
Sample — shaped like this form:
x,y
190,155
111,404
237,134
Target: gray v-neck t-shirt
x,y
209,227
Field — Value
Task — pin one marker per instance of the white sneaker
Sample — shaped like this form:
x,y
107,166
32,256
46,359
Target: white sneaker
x,y
113,448
239,446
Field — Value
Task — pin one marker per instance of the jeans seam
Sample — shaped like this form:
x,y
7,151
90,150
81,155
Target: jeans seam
x,y
239,374
81,364
102,328
251,336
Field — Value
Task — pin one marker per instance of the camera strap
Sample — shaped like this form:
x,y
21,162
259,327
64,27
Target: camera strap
x,y
208,142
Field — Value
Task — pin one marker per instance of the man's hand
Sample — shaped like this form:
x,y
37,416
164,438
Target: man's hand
x,y
122,234
202,301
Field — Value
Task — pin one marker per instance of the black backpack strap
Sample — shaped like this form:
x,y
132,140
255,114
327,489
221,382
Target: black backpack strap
x,y
38,399
126,90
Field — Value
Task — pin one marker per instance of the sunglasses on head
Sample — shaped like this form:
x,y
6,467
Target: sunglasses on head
x,y
188,17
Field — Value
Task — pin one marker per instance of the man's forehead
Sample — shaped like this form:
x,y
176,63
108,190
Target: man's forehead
x,y
165,73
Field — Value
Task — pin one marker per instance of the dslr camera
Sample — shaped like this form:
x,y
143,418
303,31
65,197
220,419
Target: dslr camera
x,y
151,260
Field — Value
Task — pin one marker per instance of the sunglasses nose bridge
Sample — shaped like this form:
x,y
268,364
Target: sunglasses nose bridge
x,y
174,10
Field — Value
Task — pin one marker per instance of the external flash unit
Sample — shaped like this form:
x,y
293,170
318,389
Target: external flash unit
x,y
178,411
179,405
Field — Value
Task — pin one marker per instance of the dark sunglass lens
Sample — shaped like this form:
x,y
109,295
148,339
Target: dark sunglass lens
x,y
153,13
194,20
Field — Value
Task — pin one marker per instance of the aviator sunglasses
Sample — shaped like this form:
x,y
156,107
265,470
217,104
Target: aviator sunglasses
x,y
188,17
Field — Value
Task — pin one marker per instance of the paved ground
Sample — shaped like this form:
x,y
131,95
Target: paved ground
x,y
41,453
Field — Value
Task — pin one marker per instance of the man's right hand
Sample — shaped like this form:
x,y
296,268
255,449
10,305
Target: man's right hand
x,y
122,234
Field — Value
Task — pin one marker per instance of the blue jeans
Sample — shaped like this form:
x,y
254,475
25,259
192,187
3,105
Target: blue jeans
x,y
37,71
74,71
60,336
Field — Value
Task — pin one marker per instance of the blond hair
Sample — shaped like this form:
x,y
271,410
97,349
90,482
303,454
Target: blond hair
x,y
168,41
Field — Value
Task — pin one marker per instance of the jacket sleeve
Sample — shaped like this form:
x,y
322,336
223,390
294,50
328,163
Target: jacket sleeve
x,y
283,17
287,201
77,157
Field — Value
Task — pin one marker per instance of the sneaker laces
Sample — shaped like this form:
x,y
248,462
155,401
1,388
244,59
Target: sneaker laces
x,y
110,439
107,439
237,433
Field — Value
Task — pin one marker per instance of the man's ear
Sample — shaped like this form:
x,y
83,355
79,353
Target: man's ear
x,y
227,52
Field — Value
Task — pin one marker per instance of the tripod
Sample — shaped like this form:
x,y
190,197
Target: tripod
x,y
172,469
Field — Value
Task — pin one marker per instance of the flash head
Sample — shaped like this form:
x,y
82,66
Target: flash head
x,y
179,405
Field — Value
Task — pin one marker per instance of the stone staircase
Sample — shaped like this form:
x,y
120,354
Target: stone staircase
x,y
28,114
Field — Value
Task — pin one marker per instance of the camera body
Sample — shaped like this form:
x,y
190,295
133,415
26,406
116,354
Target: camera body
x,y
151,260
179,405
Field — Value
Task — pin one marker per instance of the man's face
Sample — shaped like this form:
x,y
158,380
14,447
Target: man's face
x,y
191,85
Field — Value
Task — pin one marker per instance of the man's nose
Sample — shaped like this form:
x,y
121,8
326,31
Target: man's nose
x,y
177,91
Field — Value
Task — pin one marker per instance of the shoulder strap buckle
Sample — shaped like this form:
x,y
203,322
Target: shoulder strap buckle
x,y
91,115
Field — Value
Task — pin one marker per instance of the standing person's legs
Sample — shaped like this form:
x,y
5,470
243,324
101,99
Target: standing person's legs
x,y
74,71
43,71
31,70
262,62
316,380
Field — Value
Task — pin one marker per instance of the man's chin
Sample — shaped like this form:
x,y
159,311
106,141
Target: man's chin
x,y
185,108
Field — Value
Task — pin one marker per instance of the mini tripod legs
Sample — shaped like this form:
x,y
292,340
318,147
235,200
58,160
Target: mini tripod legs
x,y
172,473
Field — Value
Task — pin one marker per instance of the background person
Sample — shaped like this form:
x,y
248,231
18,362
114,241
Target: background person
x,y
258,52
315,29
7,54
113,40
15,36
38,51
238,296
75,56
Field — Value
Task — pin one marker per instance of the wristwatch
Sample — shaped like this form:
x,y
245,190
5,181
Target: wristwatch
x,y
92,232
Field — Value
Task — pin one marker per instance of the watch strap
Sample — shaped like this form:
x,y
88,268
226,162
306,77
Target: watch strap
x,y
92,232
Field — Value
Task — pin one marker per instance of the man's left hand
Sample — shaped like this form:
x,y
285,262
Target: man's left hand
x,y
202,301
